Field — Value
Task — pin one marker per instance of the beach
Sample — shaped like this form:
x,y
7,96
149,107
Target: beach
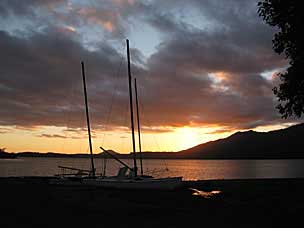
x,y
32,202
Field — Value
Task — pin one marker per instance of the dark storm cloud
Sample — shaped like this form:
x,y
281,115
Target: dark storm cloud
x,y
26,8
44,13
239,48
242,42
196,76
41,80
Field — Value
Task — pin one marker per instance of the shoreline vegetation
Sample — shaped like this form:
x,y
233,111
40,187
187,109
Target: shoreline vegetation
x,y
6,155
32,202
146,155
279,144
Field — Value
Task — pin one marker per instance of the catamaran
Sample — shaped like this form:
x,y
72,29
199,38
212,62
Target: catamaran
x,y
127,176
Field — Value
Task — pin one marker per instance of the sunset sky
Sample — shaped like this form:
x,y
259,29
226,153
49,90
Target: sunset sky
x,y
205,69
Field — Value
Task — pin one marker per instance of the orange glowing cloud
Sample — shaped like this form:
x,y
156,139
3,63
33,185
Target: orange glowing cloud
x,y
66,29
220,76
70,28
107,25
105,20
275,75
219,79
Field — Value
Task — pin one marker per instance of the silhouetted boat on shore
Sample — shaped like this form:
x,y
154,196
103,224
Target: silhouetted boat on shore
x,y
127,176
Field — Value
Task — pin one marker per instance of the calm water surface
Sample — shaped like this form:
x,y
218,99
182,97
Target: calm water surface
x,y
189,169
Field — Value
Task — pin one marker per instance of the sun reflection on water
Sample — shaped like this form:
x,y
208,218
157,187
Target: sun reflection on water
x,y
205,194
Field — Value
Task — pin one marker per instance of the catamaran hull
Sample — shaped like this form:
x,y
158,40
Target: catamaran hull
x,y
169,183
161,183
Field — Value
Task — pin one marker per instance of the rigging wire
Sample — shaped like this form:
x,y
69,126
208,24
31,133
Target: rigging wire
x,y
153,135
116,76
125,115
112,97
68,118
142,111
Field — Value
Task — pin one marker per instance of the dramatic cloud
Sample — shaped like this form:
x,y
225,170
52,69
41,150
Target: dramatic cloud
x,y
26,8
206,68
41,78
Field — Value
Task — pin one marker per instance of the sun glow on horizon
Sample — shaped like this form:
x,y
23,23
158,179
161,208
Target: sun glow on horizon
x,y
56,139
62,140
187,137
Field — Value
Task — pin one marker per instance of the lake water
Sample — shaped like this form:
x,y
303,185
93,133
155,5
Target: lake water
x,y
189,169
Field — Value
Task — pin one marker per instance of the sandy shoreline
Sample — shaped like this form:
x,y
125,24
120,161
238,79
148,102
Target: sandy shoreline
x,y
30,202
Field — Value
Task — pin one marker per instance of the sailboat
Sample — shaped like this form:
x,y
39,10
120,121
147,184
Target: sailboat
x,y
127,176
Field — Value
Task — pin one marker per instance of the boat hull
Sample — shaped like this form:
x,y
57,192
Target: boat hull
x,y
151,183
169,183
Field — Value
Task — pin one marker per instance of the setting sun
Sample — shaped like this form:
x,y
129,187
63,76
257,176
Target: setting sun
x,y
187,137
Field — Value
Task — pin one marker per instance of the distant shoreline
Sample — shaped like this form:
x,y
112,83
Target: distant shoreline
x,y
149,155
4,155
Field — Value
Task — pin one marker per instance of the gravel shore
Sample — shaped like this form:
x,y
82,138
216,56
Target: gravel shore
x,y
32,202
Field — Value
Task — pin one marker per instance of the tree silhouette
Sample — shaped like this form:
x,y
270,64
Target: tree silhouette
x,y
288,17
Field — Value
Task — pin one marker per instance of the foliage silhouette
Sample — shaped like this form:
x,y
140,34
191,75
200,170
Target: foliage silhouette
x,y
288,17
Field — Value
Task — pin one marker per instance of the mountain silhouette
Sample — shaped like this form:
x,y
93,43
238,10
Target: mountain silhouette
x,y
278,144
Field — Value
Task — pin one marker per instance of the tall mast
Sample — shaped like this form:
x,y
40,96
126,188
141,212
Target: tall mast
x,y
131,108
138,127
88,119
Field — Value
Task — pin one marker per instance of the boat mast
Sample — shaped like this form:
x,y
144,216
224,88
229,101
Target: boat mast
x,y
131,108
138,127
88,119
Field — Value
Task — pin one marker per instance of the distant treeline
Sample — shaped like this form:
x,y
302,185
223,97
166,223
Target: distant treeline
x,y
146,155
6,155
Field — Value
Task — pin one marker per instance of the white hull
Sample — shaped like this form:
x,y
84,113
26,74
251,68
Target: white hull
x,y
169,183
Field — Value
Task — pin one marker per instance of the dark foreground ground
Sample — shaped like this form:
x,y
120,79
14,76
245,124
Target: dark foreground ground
x,y
241,203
